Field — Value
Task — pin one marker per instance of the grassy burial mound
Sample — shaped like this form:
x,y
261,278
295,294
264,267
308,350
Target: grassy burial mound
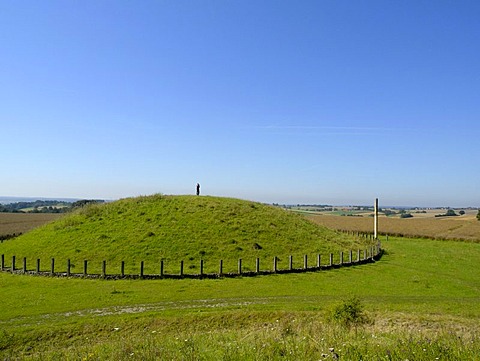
x,y
177,228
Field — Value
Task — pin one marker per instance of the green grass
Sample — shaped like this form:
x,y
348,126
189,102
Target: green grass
x,y
174,229
241,336
422,297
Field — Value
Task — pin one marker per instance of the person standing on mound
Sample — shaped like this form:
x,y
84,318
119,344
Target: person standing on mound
x,y
198,189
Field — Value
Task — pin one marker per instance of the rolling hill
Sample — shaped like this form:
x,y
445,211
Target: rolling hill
x,y
175,228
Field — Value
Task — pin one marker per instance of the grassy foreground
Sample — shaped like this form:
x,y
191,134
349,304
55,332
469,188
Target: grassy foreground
x,y
422,299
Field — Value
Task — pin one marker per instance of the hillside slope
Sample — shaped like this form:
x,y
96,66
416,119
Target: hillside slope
x,y
175,228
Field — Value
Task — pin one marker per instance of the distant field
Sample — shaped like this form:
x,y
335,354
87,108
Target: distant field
x,y
454,228
469,213
16,223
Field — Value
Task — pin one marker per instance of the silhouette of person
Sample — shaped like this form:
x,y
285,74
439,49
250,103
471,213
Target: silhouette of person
x,y
198,189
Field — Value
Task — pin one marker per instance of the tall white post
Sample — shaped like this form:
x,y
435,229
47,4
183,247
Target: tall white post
x,y
375,220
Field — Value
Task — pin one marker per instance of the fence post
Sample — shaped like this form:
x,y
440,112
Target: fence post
x,y
13,263
318,260
104,268
24,264
161,268
85,265
331,259
275,264
257,265
141,269
38,265
351,257
68,267
290,262
305,262
122,269
53,266
358,255
341,258
201,267
3,261
239,266
181,268
220,270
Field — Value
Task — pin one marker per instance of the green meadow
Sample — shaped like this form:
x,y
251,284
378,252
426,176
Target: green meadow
x,y
420,301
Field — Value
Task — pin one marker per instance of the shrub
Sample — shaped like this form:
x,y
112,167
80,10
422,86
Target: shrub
x,y
450,213
349,313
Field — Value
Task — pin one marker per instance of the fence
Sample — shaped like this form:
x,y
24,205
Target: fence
x,y
361,257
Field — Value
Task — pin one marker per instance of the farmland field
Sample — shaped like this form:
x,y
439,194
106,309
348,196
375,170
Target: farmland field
x,y
16,223
455,228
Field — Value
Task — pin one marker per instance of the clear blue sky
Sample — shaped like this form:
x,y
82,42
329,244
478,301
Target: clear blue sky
x,y
321,101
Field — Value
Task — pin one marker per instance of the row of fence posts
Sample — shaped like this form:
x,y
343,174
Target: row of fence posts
x,y
368,255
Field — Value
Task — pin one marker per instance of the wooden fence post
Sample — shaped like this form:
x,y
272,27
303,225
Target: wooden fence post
x,y
3,261
220,270
141,269
122,269
358,255
341,258
85,265
201,267
351,257
275,264
53,266
13,263
305,262
104,268
331,259
239,266
181,268
68,267
318,260
161,268
38,265
290,262
257,265
24,264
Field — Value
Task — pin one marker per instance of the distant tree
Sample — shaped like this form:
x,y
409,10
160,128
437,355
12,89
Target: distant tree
x,y
84,202
450,212
406,215
478,215
462,212
388,212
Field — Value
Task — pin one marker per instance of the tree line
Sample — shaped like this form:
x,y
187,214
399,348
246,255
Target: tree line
x,y
45,206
